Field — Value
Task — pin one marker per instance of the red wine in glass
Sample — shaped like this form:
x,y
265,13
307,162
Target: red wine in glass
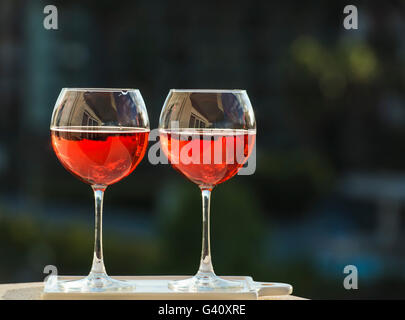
x,y
99,135
208,157
100,155
207,135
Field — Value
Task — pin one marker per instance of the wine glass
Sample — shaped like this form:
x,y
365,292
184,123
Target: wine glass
x,y
207,135
100,136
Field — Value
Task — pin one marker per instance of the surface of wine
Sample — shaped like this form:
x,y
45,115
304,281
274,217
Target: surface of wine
x,y
102,155
207,157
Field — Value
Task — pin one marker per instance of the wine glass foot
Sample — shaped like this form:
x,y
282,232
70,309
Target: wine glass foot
x,y
206,283
95,283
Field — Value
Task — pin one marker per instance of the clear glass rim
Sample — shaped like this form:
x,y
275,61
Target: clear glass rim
x,y
101,89
209,90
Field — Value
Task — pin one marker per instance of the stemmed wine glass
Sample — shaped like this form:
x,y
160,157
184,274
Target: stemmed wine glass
x,y
100,136
207,135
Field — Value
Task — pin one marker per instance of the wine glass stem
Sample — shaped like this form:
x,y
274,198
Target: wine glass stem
x,y
98,262
206,269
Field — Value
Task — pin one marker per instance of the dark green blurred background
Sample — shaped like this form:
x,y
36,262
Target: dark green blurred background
x,y
329,189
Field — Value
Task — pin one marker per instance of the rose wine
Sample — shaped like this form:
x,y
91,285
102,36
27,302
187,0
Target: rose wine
x,y
207,157
99,155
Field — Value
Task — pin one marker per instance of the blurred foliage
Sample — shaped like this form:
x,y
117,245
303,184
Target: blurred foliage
x,y
30,244
299,174
236,229
335,68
